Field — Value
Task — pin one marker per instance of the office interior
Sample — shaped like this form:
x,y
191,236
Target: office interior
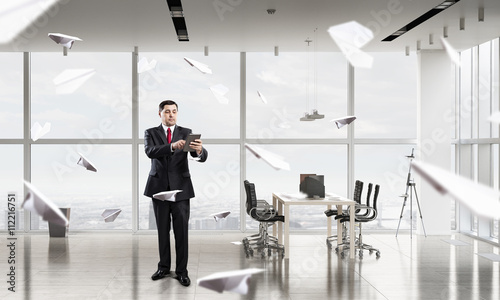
x,y
275,61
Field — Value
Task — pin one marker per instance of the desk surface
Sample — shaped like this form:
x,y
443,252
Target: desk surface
x,y
301,199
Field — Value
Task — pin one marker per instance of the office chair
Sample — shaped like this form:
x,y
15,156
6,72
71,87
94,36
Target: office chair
x,y
266,215
358,190
364,213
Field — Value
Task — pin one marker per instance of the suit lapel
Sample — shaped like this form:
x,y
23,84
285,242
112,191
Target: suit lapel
x,y
177,134
162,134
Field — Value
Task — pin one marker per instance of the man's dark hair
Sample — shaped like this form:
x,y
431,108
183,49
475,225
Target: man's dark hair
x,y
168,102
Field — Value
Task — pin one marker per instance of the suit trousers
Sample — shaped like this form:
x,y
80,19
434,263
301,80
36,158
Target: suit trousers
x,y
178,214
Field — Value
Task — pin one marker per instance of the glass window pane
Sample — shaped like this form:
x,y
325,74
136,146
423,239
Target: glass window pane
x,y
390,171
495,65
216,184
11,175
466,103
292,84
173,78
11,95
327,160
82,95
386,97
484,90
56,174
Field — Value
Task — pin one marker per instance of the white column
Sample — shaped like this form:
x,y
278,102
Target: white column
x,y
435,120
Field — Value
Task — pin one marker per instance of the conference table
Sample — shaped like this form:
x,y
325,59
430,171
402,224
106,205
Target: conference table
x,y
283,201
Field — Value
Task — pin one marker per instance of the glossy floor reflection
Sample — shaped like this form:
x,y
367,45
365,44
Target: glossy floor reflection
x,y
119,266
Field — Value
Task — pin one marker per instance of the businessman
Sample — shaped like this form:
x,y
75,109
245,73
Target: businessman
x,y
170,171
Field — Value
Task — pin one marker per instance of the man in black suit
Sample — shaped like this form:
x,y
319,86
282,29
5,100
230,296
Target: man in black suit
x,y
170,171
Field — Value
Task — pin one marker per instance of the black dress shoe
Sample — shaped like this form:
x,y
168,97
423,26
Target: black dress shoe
x,y
159,274
184,280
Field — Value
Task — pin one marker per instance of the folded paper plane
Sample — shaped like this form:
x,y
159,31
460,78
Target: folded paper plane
x,y
84,162
452,53
63,39
37,131
167,195
36,202
69,80
272,159
219,92
350,37
262,97
17,16
220,215
231,281
479,198
341,122
110,214
143,65
198,65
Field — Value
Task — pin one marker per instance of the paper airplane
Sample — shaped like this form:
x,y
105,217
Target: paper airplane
x,y
272,159
167,195
37,131
350,37
220,215
84,162
452,53
219,92
231,281
198,65
16,16
495,117
63,39
262,97
143,65
110,214
341,122
69,80
36,202
479,198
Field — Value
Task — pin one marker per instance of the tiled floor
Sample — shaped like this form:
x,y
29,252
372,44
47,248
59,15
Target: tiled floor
x,y
119,266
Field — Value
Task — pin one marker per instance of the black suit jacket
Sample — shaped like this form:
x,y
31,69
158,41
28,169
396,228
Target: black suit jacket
x,y
169,169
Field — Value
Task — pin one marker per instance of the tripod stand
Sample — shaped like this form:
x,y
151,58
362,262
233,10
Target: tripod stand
x,y
410,187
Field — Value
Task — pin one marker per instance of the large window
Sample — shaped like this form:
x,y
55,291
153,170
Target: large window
x,y
11,174
11,95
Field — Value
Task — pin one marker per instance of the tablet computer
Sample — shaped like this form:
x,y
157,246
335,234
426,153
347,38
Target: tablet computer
x,y
190,138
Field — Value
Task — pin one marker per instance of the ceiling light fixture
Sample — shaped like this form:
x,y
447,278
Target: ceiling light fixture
x,y
276,51
480,14
177,14
462,23
205,51
445,31
431,39
426,16
407,50
418,46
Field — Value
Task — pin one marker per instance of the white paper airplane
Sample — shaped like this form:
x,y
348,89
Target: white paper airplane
x,y
262,97
69,80
350,37
110,214
479,198
272,159
36,202
219,91
63,39
452,53
231,281
220,215
84,162
198,65
495,117
37,131
167,195
16,16
143,65
341,122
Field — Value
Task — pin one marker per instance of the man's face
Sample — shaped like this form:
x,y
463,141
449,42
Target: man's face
x,y
169,115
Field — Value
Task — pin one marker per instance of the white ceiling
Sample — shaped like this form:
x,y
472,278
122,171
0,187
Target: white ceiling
x,y
245,25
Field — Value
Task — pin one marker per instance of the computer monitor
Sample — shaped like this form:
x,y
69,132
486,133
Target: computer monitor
x,y
313,185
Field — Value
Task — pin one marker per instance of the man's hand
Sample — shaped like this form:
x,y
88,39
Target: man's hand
x,y
197,145
179,144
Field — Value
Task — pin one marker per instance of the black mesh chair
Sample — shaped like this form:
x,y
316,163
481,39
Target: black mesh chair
x,y
364,213
358,190
266,215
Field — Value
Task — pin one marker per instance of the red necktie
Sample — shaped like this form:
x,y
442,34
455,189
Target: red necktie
x,y
169,135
